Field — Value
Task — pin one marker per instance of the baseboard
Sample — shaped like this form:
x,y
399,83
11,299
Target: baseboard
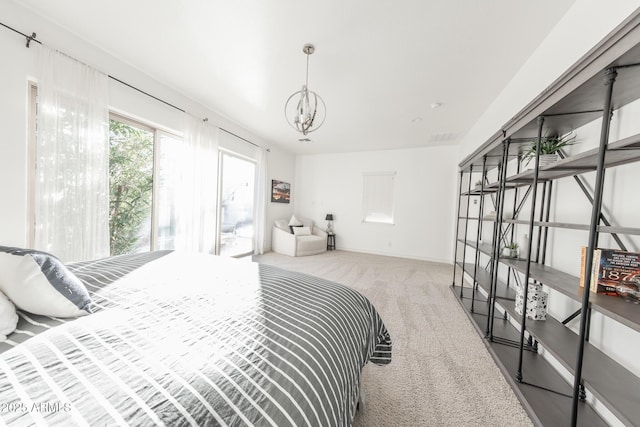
x,y
397,255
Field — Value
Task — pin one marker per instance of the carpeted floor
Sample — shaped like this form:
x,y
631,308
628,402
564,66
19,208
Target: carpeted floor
x,y
441,373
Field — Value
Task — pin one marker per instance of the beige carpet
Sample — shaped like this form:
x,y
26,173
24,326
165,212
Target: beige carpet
x,y
441,373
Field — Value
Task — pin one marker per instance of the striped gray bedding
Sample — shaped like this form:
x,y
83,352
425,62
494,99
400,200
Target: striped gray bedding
x,y
194,339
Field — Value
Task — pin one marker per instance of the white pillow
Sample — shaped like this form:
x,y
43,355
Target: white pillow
x,y
39,283
294,222
8,317
302,231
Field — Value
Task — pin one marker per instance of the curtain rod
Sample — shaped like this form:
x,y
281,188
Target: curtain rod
x,y
32,37
239,137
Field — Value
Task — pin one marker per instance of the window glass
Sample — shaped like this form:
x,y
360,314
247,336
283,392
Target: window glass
x,y
236,205
377,200
130,187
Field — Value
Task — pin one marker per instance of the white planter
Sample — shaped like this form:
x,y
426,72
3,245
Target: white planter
x,y
547,159
509,253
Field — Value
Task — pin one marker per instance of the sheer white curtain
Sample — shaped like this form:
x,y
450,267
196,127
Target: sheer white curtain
x,y
72,185
196,194
260,202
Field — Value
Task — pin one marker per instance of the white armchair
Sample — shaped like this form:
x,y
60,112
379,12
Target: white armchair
x,y
283,241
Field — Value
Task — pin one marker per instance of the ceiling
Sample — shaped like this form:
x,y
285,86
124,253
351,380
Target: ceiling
x,y
379,65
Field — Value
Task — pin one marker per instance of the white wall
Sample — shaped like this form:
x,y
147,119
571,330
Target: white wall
x,y
424,185
20,65
583,26
281,168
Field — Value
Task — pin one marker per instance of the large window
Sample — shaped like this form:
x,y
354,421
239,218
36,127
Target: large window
x,y
142,209
146,168
142,183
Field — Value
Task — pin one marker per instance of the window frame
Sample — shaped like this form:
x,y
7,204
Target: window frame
x,y
32,140
157,133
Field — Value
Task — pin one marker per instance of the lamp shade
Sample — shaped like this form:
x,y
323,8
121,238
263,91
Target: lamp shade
x,y
329,217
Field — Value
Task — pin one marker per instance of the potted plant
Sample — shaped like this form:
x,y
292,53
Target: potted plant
x,y
511,250
549,147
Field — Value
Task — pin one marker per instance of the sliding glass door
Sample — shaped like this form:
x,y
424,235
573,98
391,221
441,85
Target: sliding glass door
x,y
237,195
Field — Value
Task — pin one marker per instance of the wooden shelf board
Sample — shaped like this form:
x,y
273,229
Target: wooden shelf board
x,y
612,229
616,308
479,192
484,281
618,153
555,279
600,371
610,382
569,285
484,248
619,230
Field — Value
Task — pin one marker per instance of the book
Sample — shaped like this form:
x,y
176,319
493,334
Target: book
x,y
613,268
583,261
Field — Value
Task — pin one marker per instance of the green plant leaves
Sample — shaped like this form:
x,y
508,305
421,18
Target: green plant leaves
x,y
549,145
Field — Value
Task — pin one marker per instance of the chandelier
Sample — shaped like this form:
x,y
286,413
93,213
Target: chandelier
x,y
309,112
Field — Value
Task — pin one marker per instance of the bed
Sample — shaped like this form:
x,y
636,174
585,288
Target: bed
x,y
180,338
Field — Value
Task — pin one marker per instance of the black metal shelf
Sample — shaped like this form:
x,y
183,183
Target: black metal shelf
x,y
605,79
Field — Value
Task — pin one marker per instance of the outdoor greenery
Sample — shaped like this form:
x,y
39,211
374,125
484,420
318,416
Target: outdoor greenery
x,y
130,184
549,145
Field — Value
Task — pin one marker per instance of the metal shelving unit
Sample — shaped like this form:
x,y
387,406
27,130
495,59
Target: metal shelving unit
x,y
606,79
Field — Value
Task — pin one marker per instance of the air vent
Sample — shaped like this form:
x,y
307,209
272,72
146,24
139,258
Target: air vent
x,y
443,137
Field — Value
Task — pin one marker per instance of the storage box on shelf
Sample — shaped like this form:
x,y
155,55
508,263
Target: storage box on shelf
x,y
536,301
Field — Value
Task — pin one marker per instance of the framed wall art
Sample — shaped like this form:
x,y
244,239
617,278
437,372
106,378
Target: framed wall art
x,y
280,191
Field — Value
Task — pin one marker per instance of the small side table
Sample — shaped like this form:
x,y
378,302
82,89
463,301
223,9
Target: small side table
x,y
331,242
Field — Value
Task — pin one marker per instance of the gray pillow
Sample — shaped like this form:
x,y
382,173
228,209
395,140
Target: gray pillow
x,y
39,283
